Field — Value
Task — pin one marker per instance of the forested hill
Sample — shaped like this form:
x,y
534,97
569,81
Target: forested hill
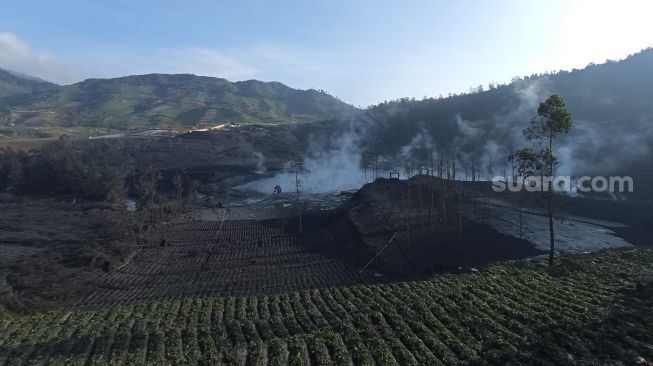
x,y
173,100
612,105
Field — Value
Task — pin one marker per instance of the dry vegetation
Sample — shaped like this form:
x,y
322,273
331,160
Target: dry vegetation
x,y
63,217
50,249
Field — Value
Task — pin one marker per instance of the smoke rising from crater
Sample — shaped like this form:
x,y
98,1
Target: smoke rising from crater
x,y
599,147
331,164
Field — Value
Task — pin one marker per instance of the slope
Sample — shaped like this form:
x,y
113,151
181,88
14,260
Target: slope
x,y
179,100
16,88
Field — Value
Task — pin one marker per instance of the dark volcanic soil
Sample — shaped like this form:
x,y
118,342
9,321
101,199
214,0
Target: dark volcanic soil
x,y
224,257
422,243
335,235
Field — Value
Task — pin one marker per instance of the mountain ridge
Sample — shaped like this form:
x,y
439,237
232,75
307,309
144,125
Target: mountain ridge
x,y
172,101
610,102
615,90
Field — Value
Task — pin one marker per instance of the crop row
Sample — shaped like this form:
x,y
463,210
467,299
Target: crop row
x,y
517,314
251,259
10,253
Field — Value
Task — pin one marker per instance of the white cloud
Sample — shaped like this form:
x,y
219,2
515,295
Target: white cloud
x,y
205,61
17,55
264,62
300,68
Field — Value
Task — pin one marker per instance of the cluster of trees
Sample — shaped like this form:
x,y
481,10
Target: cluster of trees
x,y
610,94
161,198
634,60
58,169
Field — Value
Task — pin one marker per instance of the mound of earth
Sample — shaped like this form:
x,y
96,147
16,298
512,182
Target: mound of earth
x,y
639,233
415,227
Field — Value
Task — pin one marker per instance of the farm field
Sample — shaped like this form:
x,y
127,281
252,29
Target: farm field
x,y
326,184
517,313
224,257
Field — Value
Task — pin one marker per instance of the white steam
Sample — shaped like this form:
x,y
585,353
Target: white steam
x,y
591,147
329,166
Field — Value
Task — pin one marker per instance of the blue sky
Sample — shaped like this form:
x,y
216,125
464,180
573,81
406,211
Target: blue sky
x,y
362,51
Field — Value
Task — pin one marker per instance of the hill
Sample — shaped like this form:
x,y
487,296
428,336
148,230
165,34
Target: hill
x,y
170,101
16,88
415,227
611,105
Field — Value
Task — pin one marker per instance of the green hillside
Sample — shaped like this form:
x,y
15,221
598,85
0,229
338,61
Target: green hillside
x,y
16,88
168,101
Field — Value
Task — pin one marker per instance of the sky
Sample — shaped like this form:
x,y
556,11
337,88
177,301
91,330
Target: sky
x,y
363,51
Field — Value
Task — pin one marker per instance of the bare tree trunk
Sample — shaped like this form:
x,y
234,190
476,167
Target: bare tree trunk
x,y
444,205
474,166
454,169
490,170
460,216
409,212
298,186
521,230
551,234
432,201
440,166
550,203
466,176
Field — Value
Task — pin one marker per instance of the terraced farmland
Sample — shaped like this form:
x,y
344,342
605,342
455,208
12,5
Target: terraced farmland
x,y
10,253
231,257
517,314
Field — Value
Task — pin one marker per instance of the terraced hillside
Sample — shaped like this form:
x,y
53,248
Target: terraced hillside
x,y
170,101
230,257
506,314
